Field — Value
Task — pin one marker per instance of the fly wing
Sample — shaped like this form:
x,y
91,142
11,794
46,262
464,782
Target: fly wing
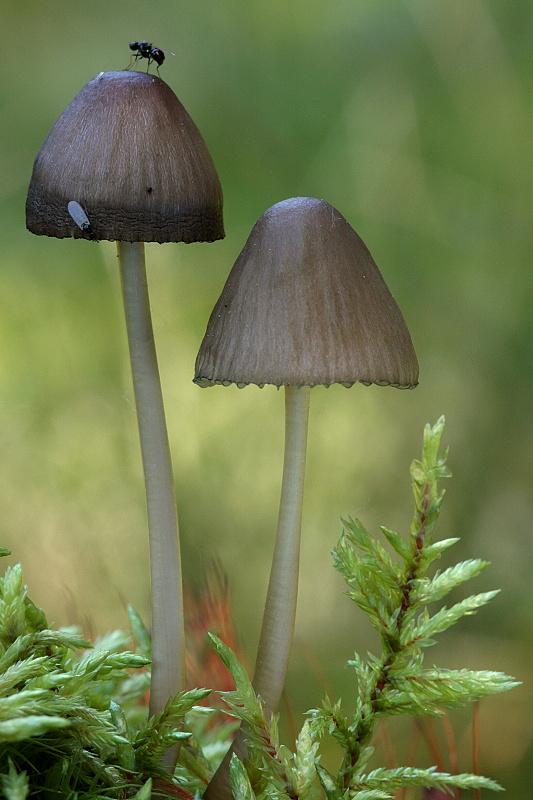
x,y
78,215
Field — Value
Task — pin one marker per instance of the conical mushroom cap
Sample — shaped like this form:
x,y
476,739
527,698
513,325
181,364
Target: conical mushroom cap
x,y
305,304
126,150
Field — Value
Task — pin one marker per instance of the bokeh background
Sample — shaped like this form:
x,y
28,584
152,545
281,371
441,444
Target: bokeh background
x,y
414,119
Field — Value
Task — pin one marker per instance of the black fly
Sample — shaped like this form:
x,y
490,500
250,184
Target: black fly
x,y
147,50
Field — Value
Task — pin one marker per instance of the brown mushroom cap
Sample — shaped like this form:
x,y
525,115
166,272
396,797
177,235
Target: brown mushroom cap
x,y
127,151
305,304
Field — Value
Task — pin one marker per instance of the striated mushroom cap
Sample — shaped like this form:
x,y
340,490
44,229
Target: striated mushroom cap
x,y
305,304
127,151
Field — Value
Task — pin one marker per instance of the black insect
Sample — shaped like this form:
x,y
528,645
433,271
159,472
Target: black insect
x,y
147,50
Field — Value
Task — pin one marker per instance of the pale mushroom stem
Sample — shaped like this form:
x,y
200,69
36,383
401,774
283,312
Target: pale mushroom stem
x,y
168,655
280,607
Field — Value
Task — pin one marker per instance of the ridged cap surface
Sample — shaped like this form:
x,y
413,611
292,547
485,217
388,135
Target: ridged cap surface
x,y
305,304
128,152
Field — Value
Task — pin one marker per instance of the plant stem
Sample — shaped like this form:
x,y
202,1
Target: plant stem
x,y
168,657
420,532
280,607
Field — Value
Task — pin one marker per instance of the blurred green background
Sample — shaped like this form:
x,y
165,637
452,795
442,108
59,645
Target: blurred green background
x,y
414,119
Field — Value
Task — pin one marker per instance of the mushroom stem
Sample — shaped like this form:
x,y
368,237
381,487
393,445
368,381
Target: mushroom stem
x,y
168,656
280,607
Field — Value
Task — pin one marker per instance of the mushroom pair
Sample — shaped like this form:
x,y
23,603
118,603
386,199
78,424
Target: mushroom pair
x,y
125,162
304,305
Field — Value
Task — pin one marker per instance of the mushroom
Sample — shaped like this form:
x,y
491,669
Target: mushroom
x,y
125,162
304,304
